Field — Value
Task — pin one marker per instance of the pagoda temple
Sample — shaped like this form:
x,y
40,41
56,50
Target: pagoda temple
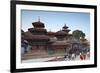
x,y
37,37
65,29
43,42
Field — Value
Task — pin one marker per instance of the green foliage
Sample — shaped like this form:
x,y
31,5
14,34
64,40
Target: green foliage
x,y
78,34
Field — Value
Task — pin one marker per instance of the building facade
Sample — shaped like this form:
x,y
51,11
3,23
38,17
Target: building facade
x,y
43,43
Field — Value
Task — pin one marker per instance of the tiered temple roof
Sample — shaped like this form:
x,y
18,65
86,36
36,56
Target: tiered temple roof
x,y
65,28
38,24
39,33
60,33
30,36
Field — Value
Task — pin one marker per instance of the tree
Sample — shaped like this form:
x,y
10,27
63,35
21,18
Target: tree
x,y
83,35
78,34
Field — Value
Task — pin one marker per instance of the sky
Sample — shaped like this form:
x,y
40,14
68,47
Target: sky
x,y
54,21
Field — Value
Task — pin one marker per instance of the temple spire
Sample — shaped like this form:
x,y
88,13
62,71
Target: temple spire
x,y
65,27
39,18
65,24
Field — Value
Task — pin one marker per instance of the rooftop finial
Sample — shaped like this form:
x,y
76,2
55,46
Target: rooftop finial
x,y
65,27
39,18
65,24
